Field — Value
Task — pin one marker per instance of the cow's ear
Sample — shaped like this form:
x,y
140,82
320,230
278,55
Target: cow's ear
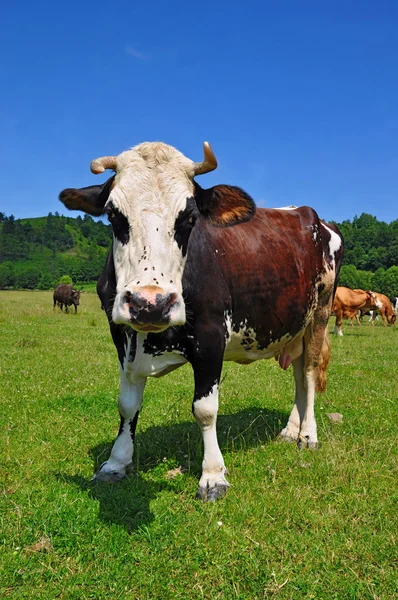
x,y
90,200
224,205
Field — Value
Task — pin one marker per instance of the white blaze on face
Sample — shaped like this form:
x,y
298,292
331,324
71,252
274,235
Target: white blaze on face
x,y
152,185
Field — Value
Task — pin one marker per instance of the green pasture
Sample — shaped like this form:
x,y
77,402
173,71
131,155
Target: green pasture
x,y
294,525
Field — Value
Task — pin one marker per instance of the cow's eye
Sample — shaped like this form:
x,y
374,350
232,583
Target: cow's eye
x,y
119,224
191,220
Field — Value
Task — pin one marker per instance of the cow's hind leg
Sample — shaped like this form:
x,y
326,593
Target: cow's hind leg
x,y
310,375
121,456
291,432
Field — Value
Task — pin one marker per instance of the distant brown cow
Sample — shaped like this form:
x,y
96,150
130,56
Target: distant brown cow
x,y
64,294
348,302
386,310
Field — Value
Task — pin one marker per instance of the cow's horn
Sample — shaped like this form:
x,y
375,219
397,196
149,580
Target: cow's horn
x,y
105,162
209,163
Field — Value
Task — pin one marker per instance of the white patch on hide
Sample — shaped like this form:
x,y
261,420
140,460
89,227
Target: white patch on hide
x,y
249,350
146,365
334,243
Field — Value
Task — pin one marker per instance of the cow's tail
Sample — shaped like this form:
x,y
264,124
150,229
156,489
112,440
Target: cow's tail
x,y
324,359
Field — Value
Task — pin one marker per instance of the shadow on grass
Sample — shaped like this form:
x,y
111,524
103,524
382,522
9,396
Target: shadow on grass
x,y
160,448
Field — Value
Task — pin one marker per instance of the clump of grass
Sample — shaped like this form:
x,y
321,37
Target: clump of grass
x,y
26,343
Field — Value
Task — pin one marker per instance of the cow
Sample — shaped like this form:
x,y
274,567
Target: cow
x,y
65,295
200,276
394,302
385,310
348,302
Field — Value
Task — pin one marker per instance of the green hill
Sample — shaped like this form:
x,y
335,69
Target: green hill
x,y
35,253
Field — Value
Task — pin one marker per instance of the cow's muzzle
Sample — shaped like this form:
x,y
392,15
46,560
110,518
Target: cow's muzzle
x,y
151,312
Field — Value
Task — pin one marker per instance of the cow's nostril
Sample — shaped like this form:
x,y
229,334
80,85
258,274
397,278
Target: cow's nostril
x,y
136,302
169,301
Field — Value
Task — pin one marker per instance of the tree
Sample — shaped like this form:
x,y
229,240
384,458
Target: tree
x,y
6,275
45,282
349,276
378,280
28,277
390,282
65,279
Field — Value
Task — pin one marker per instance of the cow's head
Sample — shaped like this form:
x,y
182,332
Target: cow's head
x,y
75,297
153,203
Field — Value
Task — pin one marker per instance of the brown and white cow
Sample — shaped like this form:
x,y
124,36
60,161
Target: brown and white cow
x,y
385,310
348,302
200,276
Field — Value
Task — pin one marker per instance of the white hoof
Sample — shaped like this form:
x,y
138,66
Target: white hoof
x,y
288,435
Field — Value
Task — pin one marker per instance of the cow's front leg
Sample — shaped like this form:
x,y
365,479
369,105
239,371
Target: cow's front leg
x,y
130,401
212,484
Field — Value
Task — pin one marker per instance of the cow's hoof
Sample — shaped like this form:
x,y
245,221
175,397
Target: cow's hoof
x,y
305,441
211,494
104,476
287,435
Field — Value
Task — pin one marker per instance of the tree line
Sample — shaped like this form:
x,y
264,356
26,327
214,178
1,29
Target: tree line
x,y
36,253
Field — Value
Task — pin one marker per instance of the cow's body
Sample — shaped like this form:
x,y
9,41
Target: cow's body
x,y
348,302
260,288
385,310
65,295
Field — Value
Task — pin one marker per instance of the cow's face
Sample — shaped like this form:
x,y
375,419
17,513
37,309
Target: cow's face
x,y
151,205
152,212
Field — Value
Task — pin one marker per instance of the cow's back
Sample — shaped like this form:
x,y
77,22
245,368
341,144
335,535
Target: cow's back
x,y
63,292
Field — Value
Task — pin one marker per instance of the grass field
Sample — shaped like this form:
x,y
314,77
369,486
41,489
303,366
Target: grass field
x,y
294,525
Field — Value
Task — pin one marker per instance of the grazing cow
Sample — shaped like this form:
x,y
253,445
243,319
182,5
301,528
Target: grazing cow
x,y
394,302
385,310
372,314
64,294
198,275
348,302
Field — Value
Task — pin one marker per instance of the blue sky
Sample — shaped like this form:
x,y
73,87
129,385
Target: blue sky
x,y
299,100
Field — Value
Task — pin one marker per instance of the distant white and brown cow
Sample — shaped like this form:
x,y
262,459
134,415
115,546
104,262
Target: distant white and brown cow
x,y
385,309
200,276
348,302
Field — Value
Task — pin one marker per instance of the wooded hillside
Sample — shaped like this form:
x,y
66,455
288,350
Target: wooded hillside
x,y
36,253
